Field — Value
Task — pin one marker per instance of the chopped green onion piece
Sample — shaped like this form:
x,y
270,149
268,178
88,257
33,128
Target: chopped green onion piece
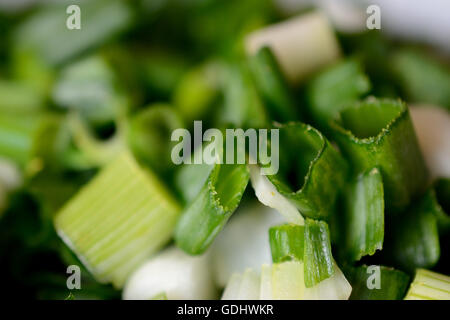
x,y
190,179
118,220
97,152
335,287
149,135
243,107
45,33
330,91
89,86
442,204
311,171
412,240
379,133
174,273
17,137
392,283
266,283
288,281
244,286
208,213
364,216
272,86
287,242
429,285
197,91
422,78
19,98
317,253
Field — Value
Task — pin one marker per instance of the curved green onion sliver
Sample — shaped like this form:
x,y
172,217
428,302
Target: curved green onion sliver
x,y
363,233
207,214
392,283
379,133
272,86
243,107
148,134
333,88
441,192
319,263
429,285
287,242
320,168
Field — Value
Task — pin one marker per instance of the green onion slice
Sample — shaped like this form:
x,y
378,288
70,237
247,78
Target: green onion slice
x,y
208,213
428,285
311,172
271,84
319,264
363,233
379,133
412,240
332,89
118,220
287,242
392,283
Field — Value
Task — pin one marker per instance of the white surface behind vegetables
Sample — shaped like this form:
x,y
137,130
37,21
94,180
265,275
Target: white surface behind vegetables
x,y
174,273
417,20
432,125
244,242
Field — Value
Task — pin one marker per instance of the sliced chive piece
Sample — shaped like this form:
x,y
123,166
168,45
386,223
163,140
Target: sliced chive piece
x,y
16,137
413,238
45,33
118,220
379,133
421,77
19,98
332,89
243,107
364,215
287,242
311,172
441,194
319,264
208,213
152,127
392,283
272,86
198,91
428,285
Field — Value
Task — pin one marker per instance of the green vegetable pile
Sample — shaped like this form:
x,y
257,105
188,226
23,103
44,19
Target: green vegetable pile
x,y
86,118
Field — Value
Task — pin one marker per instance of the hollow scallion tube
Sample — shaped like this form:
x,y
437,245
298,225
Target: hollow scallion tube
x,y
379,133
118,220
311,172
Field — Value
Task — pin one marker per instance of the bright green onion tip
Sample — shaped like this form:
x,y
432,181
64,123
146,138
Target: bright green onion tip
x,y
118,220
